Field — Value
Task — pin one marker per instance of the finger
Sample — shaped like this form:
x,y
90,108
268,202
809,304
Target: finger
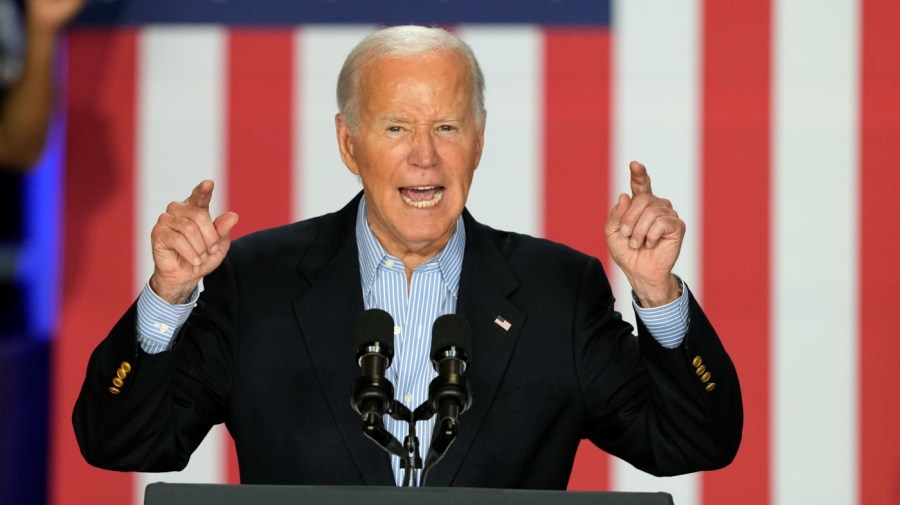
x,y
640,179
188,229
663,227
648,217
200,217
201,195
614,222
641,226
167,239
639,203
191,230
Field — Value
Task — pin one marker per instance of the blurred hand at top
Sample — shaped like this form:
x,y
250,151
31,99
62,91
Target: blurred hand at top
x,y
50,15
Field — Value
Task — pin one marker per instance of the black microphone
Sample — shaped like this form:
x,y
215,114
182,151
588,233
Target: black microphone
x,y
449,393
372,392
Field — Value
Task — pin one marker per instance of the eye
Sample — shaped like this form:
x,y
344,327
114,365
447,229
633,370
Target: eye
x,y
446,128
394,129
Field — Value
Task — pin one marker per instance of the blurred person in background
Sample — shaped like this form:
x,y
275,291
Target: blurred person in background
x,y
29,40
29,33
26,76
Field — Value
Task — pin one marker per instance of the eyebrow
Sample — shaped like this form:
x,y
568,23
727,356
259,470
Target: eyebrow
x,y
388,118
394,119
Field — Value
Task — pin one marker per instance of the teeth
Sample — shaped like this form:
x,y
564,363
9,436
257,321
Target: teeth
x,y
424,204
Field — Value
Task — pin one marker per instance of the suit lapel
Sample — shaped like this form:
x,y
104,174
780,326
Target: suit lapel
x,y
326,312
327,309
484,287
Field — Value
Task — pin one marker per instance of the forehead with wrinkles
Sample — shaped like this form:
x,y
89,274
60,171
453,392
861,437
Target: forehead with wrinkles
x,y
429,87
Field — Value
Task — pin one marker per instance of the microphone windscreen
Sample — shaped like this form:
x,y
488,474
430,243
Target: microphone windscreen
x,y
451,330
374,325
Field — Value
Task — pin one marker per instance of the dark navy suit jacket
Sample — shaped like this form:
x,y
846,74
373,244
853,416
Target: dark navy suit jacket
x,y
269,351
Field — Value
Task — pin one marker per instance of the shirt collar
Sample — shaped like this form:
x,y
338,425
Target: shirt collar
x,y
371,253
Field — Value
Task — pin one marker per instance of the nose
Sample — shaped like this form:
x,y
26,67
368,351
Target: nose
x,y
422,152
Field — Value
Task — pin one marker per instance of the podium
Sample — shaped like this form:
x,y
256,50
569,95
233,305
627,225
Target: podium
x,y
225,494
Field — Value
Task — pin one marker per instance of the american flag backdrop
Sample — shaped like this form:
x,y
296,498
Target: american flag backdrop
x,y
774,127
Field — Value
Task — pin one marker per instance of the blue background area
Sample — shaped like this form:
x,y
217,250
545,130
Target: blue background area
x,y
389,12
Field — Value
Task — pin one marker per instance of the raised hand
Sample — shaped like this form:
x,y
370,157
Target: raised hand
x,y
644,236
188,244
51,15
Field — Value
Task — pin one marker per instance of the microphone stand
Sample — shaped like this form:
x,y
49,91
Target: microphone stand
x,y
410,461
423,412
373,427
408,451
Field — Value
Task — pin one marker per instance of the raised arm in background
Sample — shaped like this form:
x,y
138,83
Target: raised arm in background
x,y
25,114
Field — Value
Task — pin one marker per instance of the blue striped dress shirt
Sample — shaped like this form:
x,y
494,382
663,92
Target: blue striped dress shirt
x,y
432,293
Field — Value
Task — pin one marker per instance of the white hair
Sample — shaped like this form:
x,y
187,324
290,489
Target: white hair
x,y
402,42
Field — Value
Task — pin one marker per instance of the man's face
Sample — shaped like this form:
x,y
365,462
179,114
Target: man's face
x,y
416,149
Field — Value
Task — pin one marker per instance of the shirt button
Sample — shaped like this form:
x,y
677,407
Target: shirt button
x,y
396,330
389,263
408,399
163,327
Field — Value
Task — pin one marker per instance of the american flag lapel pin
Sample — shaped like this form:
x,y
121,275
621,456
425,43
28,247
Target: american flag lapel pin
x,y
503,323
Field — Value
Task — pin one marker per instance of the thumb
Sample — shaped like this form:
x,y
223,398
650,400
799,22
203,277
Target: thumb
x,y
225,223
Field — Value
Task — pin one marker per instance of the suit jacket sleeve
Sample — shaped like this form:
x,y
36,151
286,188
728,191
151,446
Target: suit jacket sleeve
x,y
168,401
650,405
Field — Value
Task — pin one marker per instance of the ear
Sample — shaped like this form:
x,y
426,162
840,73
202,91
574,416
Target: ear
x,y
479,146
345,143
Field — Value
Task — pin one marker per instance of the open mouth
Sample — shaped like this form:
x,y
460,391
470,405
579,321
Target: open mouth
x,y
422,197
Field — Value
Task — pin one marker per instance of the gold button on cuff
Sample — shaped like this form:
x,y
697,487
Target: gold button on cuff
x,y
711,386
697,361
114,390
705,377
117,382
700,370
125,366
121,373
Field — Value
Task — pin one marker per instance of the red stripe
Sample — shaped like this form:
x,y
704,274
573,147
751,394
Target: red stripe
x,y
98,272
736,221
879,251
259,126
576,175
259,135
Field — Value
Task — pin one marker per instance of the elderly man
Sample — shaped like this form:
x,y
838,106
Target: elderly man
x,y
267,347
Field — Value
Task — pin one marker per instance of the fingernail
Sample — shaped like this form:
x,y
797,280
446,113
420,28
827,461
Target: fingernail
x,y
197,262
633,244
626,230
214,249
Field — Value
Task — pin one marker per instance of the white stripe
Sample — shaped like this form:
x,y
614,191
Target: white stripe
x,y
814,173
656,121
322,183
507,190
179,143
